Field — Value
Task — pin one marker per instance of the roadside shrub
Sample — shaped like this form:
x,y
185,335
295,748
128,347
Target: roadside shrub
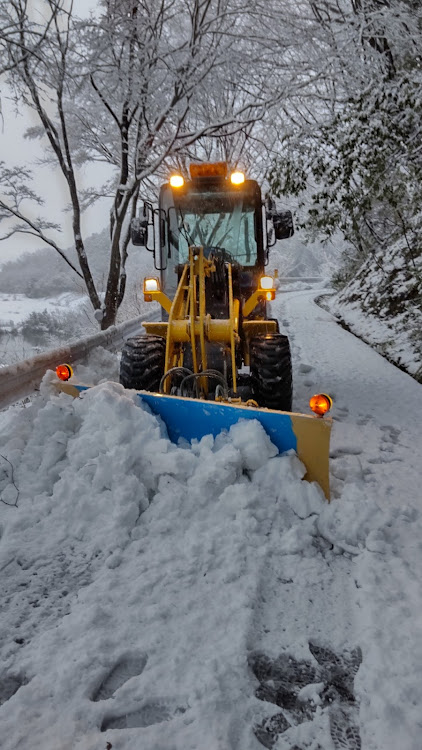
x,y
41,327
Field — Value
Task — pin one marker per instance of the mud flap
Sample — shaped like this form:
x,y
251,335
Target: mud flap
x,y
191,419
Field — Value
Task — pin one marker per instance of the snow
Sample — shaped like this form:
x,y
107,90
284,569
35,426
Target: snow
x,y
62,317
381,305
15,308
393,339
165,597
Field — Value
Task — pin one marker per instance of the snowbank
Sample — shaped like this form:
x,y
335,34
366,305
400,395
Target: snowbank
x,y
382,305
125,548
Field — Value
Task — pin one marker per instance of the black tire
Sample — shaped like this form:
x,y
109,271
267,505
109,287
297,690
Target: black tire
x,y
142,363
271,371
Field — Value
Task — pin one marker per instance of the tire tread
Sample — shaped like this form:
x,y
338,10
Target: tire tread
x,y
142,362
271,371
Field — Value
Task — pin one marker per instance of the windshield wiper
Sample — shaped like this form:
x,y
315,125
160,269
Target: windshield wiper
x,y
183,229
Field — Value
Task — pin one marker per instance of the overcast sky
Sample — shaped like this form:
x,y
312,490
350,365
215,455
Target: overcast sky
x,y
15,149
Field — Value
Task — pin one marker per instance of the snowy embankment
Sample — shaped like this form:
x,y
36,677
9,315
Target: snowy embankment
x,y
29,325
382,305
173,597
15,308
390,338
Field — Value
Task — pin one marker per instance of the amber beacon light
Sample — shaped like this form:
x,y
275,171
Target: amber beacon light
x,y
208,169
64,372
320,404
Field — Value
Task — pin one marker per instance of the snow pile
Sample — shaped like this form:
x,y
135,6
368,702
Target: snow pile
x,y
124,544
390,599
100,366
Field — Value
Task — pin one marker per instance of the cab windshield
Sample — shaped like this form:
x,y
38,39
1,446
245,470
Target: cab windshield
x,y
222,221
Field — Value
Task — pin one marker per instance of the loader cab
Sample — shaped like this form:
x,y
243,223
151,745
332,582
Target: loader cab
x,y
222,213
217,215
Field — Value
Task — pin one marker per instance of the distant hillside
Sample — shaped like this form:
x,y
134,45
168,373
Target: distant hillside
x,y
383,305
44,273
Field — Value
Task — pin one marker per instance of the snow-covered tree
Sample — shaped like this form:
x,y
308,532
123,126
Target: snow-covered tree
x,y
357,151
125,87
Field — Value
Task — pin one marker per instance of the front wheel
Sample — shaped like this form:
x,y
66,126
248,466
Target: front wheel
x,y
142,363
271,371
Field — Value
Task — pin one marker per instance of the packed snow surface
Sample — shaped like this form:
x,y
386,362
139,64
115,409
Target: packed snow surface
x,y
205,597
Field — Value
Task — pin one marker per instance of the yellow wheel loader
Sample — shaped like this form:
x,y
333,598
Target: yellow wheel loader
x,y
216,357
215,336
216,343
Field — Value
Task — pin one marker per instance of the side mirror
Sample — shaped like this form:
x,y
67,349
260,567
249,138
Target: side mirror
x,y
139,231
283,225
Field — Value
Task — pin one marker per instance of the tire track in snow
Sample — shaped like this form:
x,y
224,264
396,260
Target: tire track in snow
x,y
304,612
304,599
375,470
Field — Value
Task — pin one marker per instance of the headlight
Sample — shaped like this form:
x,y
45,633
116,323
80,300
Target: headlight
x,y
177,181
237,178
266,282
151,285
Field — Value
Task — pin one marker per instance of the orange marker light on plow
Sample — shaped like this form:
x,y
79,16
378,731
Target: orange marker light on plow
x,y
64,372
321,404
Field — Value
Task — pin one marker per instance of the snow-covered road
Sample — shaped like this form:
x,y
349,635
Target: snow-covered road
x,y
378,408
162,598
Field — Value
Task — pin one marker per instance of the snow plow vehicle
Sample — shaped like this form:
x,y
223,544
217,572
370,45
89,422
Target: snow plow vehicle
x,y
216,357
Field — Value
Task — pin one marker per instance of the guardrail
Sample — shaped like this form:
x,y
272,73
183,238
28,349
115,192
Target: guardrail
x,y
305,279
18,381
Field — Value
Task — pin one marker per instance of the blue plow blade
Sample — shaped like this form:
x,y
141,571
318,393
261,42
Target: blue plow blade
x,y
192,419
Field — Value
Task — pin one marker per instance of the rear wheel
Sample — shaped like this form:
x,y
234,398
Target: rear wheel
x,y
271,371
142,363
